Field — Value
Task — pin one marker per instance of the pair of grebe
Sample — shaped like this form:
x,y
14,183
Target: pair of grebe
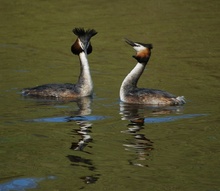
x,y
129,92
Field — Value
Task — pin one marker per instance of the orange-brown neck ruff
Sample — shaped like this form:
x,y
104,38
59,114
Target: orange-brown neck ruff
x,y
76,48
143,56
82,44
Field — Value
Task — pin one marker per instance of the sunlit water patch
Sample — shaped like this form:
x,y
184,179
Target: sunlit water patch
x,y
21,184
67,119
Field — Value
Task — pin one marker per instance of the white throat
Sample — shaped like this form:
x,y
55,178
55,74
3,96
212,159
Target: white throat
x,y
85,80
131,80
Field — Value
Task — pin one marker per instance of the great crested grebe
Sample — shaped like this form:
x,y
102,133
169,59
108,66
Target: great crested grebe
x,y
84,86
130,93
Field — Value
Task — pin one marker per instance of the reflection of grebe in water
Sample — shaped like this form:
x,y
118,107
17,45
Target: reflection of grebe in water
x,y
137,115
84,86
85,126
130,93
83,131
139,143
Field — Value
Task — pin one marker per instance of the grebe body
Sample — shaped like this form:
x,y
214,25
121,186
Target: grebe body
x,y
130,93
84,86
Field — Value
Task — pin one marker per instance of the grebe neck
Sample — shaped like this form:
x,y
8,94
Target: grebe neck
x,y
84,83
132,78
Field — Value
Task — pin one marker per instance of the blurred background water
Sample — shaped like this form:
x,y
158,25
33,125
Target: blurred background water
x,y
102,144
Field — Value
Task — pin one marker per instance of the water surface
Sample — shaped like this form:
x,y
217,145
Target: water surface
x,y
102,144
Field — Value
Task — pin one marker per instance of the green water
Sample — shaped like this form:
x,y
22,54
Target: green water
x,y
39,138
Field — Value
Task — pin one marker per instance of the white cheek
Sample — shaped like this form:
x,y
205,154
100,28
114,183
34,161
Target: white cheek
x,y
81,44
139,48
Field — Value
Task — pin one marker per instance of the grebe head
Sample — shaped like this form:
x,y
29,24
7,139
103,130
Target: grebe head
x,y
82,43
143,51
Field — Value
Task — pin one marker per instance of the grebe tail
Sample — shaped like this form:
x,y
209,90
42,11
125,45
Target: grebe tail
x,y
130,93
84,86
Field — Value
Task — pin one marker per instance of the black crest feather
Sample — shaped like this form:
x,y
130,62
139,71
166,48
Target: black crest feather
x,y
84,36
82,33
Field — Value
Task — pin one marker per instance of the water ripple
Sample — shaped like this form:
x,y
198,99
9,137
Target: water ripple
x,y
171,118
